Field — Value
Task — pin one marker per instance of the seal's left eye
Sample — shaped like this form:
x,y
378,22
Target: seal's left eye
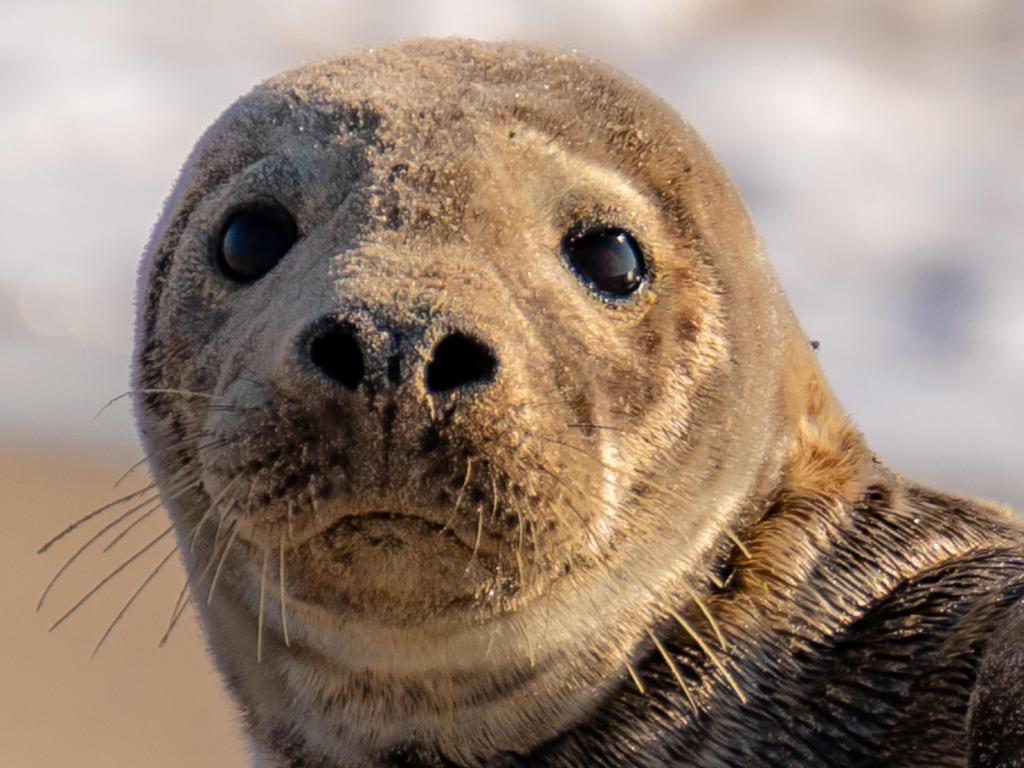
x,y
608,259
254,239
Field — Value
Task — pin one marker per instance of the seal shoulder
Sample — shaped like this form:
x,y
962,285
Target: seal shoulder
x,y
996,715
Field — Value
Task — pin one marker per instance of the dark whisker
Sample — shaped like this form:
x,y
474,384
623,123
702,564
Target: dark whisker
x,y
185,485
107,579
179,608
135,595
151,391
135,523
94,513
92,540
150,456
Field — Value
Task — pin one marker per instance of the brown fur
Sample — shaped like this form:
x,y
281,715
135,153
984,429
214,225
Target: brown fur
x,y
541,571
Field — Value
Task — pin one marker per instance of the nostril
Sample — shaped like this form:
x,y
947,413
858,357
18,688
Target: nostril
x,y
458,361
335,351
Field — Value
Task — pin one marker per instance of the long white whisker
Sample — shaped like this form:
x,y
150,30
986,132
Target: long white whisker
x,y
281,582
673,669
223,559
263,599
692,632
209,512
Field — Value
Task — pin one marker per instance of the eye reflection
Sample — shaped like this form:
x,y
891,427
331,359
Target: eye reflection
x,y
254,240
608,259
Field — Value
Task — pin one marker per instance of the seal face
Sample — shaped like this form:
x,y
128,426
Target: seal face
x,y
477,409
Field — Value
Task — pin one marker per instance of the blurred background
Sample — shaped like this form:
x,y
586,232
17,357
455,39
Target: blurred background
x,y
877,143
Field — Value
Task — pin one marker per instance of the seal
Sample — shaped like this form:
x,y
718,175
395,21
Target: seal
x,y
489,438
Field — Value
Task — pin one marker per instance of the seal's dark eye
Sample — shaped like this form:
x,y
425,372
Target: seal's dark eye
x,y
254,239
608,259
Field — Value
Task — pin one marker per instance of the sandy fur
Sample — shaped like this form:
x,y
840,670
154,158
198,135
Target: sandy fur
x,y
628,466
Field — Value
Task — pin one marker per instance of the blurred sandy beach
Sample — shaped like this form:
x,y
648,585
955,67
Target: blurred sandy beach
x,y
133,705
876,143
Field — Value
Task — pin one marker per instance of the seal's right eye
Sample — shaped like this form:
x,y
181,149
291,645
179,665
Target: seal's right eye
x,y
254,239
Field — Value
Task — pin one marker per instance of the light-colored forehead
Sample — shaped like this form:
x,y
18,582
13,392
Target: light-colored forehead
x,y
459,86
431,103
439,135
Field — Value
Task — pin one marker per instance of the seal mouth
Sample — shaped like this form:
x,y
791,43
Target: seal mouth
x,y
393,565
390,530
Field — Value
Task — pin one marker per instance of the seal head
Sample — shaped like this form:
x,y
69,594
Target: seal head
x,y
463,371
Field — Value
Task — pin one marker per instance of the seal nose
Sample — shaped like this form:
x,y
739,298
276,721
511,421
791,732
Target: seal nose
x,y
338,351
333,349
460,361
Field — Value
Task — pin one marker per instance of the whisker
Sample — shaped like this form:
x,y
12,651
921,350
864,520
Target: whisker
x,y
603,465
280,580
671,493
531,652
540,404
458,498
223,559
739,544
537,404
263,595
106,580
184,485
636,677
150,391
182,604
480,520
179,608
135,595
223,518
313,503
90,515
291,518
583,521
688,628
210,511
176,446
145,458
568,404
89,542
520,545
180,490
479,536
712,622
675,670
145,516
624,487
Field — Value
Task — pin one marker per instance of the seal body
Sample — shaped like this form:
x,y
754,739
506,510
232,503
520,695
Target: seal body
x,y
490,439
